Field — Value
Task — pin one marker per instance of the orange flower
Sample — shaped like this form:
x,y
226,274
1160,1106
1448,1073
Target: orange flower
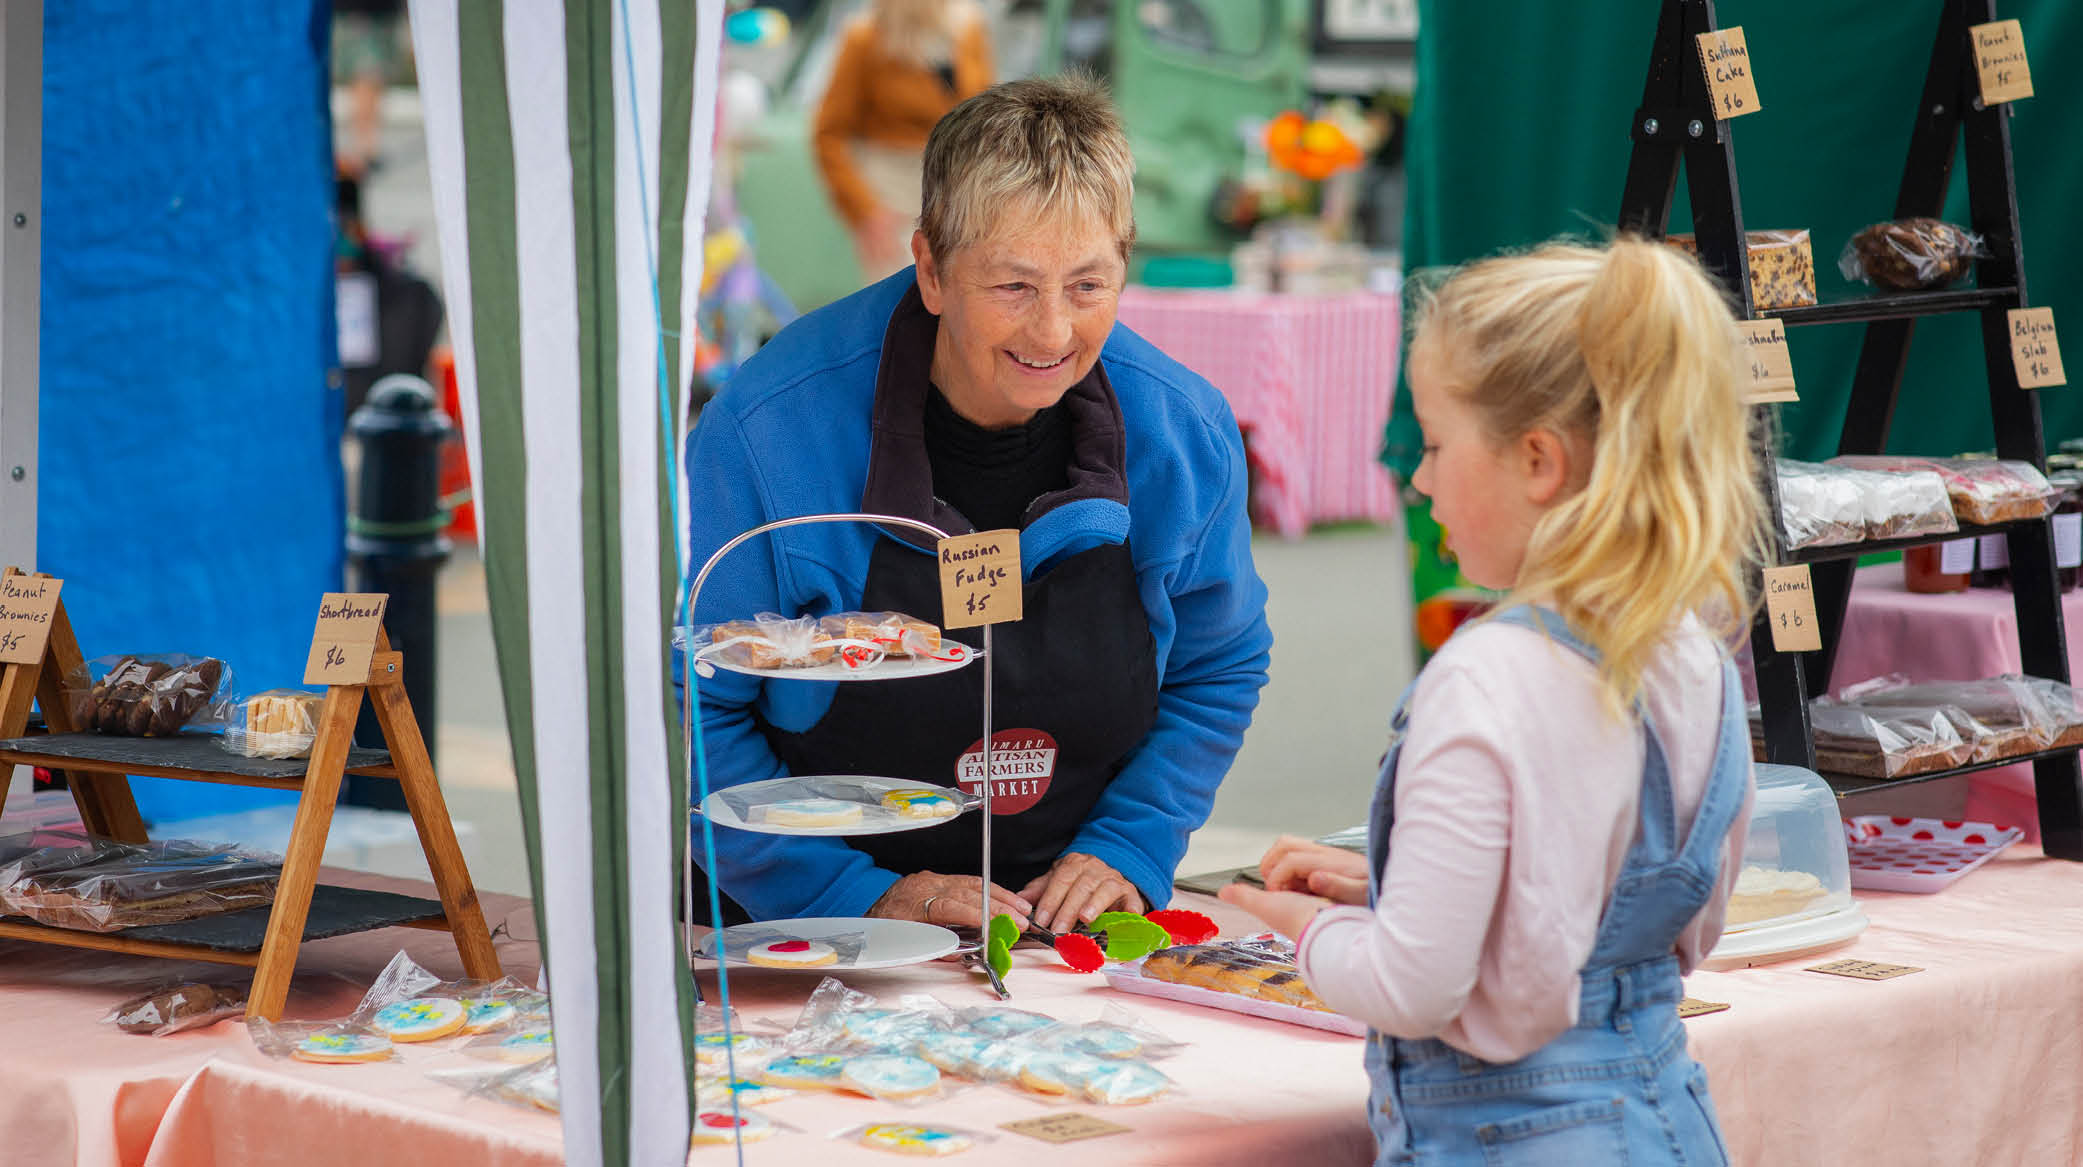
x,y
1311,150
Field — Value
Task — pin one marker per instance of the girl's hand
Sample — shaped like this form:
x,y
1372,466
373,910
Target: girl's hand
x,y
1286,912
1298,865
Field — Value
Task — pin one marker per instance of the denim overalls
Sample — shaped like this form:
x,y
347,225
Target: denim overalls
x,y
1618,1088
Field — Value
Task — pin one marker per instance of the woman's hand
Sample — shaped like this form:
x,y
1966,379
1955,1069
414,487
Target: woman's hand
x,y
949,900
1298,865
1286,912
1076,889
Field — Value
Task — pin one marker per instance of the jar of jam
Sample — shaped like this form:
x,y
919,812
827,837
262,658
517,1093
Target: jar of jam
x,y
1992,562
1938,567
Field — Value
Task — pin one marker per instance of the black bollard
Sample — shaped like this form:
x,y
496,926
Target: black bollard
x,y
395,545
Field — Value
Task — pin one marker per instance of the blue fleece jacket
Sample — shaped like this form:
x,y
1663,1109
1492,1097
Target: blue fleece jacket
x,y
789,435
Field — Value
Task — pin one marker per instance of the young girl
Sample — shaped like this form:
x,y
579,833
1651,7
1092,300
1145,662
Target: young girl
x,y
1560,814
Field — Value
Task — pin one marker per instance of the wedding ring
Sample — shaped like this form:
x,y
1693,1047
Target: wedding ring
x,y
926,909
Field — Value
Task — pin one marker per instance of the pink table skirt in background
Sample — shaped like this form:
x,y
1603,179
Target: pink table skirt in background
x,y
1311,380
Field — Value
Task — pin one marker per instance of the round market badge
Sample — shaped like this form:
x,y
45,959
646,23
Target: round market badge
x,y
1023,763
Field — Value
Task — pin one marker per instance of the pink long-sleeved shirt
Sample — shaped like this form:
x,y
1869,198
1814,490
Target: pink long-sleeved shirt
x,y
1516,800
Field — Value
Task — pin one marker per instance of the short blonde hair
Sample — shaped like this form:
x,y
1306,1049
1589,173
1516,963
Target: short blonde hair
x,y
1634,348
1053,143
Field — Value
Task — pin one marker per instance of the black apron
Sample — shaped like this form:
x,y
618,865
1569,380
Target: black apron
x,y
1075,680
1075,691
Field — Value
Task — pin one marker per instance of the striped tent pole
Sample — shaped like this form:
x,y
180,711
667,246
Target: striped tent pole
x,y
569,143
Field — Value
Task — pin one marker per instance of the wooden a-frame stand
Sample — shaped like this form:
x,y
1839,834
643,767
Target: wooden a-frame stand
x,y
100,787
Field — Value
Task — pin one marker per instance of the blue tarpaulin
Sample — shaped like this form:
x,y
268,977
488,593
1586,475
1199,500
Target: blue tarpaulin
x,y
191,486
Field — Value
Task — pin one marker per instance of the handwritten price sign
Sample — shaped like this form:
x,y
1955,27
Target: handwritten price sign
x,y
1771,365
980,579
1790,602
2035,353
27,606
1725,60
2000,61
344,638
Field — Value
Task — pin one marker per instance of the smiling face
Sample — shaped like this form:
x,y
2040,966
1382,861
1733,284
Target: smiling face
x,y
1023,313
1482,491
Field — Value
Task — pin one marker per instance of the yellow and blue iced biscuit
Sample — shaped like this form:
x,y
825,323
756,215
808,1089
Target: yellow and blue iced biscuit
x,y
420,1019
922,804
526,1046
342,1047
914,1140
712,1049
805,1071
483,1014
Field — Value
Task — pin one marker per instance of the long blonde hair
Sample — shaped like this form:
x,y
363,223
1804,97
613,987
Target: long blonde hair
x,y
920,31
1632,347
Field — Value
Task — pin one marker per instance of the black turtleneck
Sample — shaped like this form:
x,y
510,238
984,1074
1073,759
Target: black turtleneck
x,y
992,475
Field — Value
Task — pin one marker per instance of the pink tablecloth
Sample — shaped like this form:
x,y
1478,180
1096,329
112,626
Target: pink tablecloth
x,y
1975,1060
1310,379
1948,637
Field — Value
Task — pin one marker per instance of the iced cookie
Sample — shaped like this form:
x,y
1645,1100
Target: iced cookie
x,y
1125,1083
1007,1022
805,1071
483,1014
813,812
921,804
793,954
1001,1060
891,1076
526,1046
342,1047
1099,1040
711,1092
720,1126
914,1140
421,1019
955,1053
1058,1073
714,1049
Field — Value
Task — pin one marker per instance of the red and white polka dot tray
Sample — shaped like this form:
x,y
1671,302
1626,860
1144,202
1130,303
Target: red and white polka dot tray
x,y
1891,853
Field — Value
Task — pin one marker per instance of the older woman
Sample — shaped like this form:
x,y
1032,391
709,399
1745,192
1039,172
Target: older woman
x,y
989,388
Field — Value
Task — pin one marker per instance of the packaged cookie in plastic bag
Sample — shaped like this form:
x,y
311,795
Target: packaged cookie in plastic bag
x,y
891,633
150,696
1911,254
1887,741
1983,490
101,885
842,805
178,1008
280,723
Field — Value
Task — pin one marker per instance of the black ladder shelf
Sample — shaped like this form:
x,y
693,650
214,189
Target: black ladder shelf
x,y
1676,127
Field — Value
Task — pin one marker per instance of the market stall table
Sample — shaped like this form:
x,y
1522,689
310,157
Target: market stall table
x,y
1969,1061
1947,636
1310,379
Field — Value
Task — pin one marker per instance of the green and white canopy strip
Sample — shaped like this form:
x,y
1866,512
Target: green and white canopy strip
x,y
570,144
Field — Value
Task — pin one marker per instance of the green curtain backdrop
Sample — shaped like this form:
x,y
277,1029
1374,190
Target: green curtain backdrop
x,y
1520,133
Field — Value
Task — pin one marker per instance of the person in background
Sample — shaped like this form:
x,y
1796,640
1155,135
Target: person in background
x,y
990,389
901,66
365,51
1557,824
